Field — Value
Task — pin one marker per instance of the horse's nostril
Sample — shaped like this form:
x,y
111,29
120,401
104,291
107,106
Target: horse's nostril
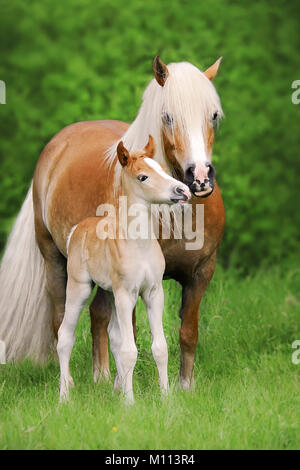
x,y
211,170
191,168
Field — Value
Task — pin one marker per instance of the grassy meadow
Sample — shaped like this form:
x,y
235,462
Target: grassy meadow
x,y
80,60
246,394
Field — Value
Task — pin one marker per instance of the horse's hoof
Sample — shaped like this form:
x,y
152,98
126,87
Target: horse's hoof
x,y
186,384
101,375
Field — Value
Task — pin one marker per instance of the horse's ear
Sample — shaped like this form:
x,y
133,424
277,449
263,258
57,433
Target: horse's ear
x,y
211,72
160,71
123,154
150,147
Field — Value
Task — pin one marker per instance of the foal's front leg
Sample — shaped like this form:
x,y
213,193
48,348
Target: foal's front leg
x,y
127,355
101,313
77,295
154,302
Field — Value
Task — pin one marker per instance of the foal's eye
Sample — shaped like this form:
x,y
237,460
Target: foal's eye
x,y
142,178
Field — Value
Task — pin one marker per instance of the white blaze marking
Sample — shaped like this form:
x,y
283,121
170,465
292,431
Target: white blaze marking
x,y
198,153
156,167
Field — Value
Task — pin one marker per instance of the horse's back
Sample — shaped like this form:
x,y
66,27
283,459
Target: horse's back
x,y
72,178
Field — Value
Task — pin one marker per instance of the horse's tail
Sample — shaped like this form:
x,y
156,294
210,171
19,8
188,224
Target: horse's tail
x,y
25,309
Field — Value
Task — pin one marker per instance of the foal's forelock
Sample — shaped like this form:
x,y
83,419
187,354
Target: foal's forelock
x,y
190,100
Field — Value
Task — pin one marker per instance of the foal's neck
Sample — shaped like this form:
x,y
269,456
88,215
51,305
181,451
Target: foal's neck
x,y
136,207
129,189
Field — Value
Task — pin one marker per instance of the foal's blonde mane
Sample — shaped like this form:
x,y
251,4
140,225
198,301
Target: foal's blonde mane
x,y
188,96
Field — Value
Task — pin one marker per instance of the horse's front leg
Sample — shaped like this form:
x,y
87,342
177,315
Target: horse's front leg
x,y
100,312
192,293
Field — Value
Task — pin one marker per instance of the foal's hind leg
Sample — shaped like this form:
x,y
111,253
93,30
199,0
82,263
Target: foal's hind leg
x,y
100,311
77,295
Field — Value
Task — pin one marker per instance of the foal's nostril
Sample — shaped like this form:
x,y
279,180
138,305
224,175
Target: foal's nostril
x,y
178,190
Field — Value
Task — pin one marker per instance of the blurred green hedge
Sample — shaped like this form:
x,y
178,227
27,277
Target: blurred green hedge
x,y
73,60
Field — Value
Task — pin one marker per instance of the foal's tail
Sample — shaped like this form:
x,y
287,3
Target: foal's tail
x,y
25,309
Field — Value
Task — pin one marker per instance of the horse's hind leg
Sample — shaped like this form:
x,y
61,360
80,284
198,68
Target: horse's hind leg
x,y
56,274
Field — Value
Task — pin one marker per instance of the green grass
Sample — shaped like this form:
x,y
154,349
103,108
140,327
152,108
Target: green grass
x,y
246,396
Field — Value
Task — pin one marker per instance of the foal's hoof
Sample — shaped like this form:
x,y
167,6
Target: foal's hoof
x,y
63,397
64,389
129,399
117,384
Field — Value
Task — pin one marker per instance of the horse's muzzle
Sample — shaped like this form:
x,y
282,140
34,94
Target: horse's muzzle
x,y
201,188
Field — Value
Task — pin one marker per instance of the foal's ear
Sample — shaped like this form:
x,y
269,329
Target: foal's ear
x,y
211,72
150,147
123,154
160,71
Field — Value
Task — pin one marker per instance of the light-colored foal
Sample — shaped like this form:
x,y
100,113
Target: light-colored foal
x,y
125,267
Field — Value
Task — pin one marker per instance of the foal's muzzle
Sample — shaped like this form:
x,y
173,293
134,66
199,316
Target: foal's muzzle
x,y
200,187
180,194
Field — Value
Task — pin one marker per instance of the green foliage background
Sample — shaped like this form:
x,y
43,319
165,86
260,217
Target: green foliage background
x,y
72,60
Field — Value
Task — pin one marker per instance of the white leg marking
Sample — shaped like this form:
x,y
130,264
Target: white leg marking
x,y
115,344
127,355
77,295
154,304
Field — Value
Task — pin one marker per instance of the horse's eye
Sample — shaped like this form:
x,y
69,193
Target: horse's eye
x,y
142,178
214,120
168,120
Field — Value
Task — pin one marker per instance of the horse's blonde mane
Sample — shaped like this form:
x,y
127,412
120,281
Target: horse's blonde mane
x,y
188,96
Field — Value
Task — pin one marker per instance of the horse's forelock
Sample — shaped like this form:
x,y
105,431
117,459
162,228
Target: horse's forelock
x,y
188,96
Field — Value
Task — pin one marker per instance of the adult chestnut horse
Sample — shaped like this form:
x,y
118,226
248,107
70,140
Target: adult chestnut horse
x,y
74,175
